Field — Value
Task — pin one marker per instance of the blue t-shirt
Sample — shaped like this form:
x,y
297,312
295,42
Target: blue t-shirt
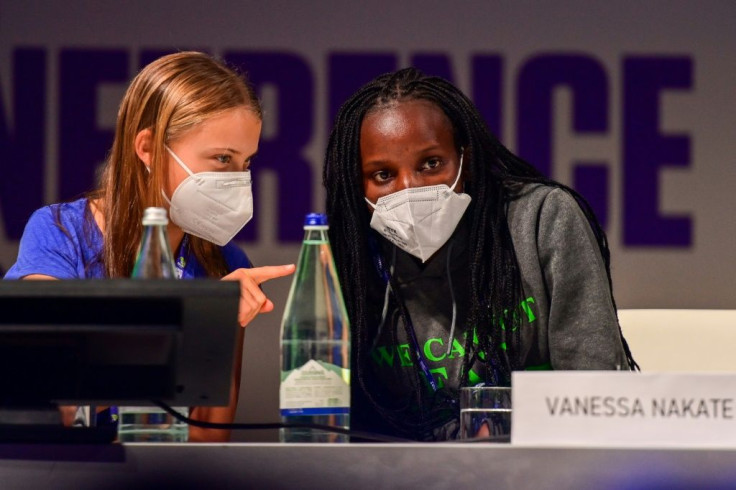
x,y
63,241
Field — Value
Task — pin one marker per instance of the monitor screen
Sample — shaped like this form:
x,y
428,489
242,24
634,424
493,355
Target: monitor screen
x,y
119,341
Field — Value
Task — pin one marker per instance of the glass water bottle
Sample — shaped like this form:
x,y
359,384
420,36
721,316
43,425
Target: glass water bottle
x,y
315,343
154,261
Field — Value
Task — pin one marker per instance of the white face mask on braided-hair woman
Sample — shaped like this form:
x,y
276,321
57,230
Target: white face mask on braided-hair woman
x,y
420,220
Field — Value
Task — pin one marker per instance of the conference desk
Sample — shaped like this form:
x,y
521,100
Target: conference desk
x,y
358,466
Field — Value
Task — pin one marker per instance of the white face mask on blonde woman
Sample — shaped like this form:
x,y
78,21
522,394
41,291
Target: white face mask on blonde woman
x,y
214,206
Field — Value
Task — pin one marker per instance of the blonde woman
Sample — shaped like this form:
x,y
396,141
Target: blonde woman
x,y
187,121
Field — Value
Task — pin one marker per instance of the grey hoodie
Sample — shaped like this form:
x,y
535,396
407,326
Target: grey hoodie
x,y
562,269
567,316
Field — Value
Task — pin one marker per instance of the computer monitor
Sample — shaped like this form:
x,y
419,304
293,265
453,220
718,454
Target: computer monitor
x,y
117,342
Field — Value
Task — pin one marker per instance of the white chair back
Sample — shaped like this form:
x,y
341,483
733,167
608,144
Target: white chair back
x,y
681,340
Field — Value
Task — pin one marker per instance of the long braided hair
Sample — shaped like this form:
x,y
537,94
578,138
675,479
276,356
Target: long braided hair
x,y
495,175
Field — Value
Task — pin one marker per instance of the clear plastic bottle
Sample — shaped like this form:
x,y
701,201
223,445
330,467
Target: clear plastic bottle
x,y
154,261
315,343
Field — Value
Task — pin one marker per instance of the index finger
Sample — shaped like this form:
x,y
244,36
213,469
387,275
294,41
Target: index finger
x,y
263,274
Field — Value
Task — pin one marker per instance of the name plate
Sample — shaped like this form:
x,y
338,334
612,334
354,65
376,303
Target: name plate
x,y
615,408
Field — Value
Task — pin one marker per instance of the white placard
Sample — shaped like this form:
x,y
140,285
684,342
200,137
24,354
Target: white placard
x,y
614,408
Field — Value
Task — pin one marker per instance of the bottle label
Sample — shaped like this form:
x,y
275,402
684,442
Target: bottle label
x,y
316,388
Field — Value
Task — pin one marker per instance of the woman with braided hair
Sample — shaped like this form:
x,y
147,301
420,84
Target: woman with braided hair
x,y
459,261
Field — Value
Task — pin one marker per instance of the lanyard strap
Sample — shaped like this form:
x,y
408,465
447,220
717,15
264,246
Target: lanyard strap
x,y
181,258
385,274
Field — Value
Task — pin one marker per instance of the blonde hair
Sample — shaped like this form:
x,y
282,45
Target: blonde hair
x,y
169,97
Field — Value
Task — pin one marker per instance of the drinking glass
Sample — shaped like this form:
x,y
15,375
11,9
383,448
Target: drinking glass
x,y
485,413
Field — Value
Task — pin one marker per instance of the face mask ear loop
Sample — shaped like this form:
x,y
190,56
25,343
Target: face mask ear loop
x,y
459,172
370,203
454,304
181,164
178,160
165,197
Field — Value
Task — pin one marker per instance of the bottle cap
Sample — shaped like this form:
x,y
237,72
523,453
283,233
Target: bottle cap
x,y
315,219
155,216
